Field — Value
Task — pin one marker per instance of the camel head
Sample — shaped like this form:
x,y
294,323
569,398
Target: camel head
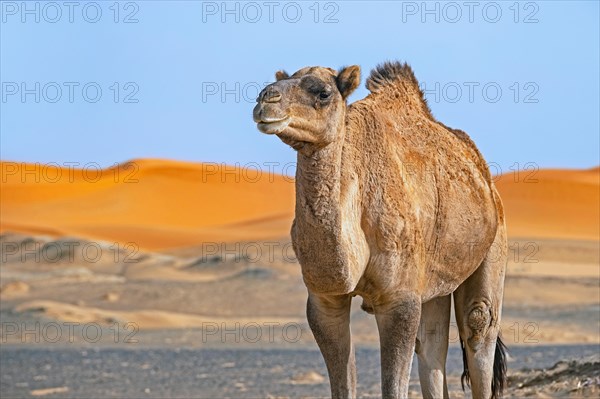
x,y
307,108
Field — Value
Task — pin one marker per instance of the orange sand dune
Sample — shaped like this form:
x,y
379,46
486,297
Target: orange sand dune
x,y
552,203
160,204
156,204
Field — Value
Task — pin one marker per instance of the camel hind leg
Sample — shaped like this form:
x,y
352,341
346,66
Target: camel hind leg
x,y
432,347
478,308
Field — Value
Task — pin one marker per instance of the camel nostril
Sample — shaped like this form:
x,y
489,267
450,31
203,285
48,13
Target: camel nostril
x,y
271,95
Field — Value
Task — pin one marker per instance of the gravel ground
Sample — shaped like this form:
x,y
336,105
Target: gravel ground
x,y
97,372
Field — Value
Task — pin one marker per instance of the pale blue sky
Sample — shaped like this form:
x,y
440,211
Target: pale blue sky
x,y
179,53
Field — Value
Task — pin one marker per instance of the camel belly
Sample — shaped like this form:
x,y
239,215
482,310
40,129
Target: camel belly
x,y
429,254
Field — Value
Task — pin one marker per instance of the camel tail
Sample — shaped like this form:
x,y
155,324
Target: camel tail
x,y
499,378
465,379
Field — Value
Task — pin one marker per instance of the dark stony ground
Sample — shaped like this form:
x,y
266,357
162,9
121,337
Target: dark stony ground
x,y
100,371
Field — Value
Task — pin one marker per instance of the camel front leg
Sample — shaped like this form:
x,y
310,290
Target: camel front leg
x,y
398,325
329,320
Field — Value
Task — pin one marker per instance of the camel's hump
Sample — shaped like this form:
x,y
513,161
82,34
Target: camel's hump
x,y
389,73
397,77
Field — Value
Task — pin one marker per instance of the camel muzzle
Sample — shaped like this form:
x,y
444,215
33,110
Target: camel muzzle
x,y
269,94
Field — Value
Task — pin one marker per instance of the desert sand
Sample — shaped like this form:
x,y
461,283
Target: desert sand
x,y
156,204
159,204
552,203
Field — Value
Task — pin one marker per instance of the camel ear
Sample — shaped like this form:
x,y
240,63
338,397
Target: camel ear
x,y
281,75
348,80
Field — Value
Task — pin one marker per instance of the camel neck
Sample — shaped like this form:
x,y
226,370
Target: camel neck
x,y
326,233
318,186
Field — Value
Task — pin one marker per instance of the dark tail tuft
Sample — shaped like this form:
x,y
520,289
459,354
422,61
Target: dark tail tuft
x,y
465,379
499,378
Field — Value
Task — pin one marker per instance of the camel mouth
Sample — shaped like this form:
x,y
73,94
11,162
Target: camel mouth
x,y
273,126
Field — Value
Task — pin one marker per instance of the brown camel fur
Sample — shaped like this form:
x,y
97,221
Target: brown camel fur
x,y
395,207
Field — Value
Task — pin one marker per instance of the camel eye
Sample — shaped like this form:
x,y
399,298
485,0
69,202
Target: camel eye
x,y
324,95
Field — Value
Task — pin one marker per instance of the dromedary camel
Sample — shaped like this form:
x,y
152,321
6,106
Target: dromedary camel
x,y
398,208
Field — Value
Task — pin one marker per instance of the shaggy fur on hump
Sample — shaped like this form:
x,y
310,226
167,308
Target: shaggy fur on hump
x,y
394,75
